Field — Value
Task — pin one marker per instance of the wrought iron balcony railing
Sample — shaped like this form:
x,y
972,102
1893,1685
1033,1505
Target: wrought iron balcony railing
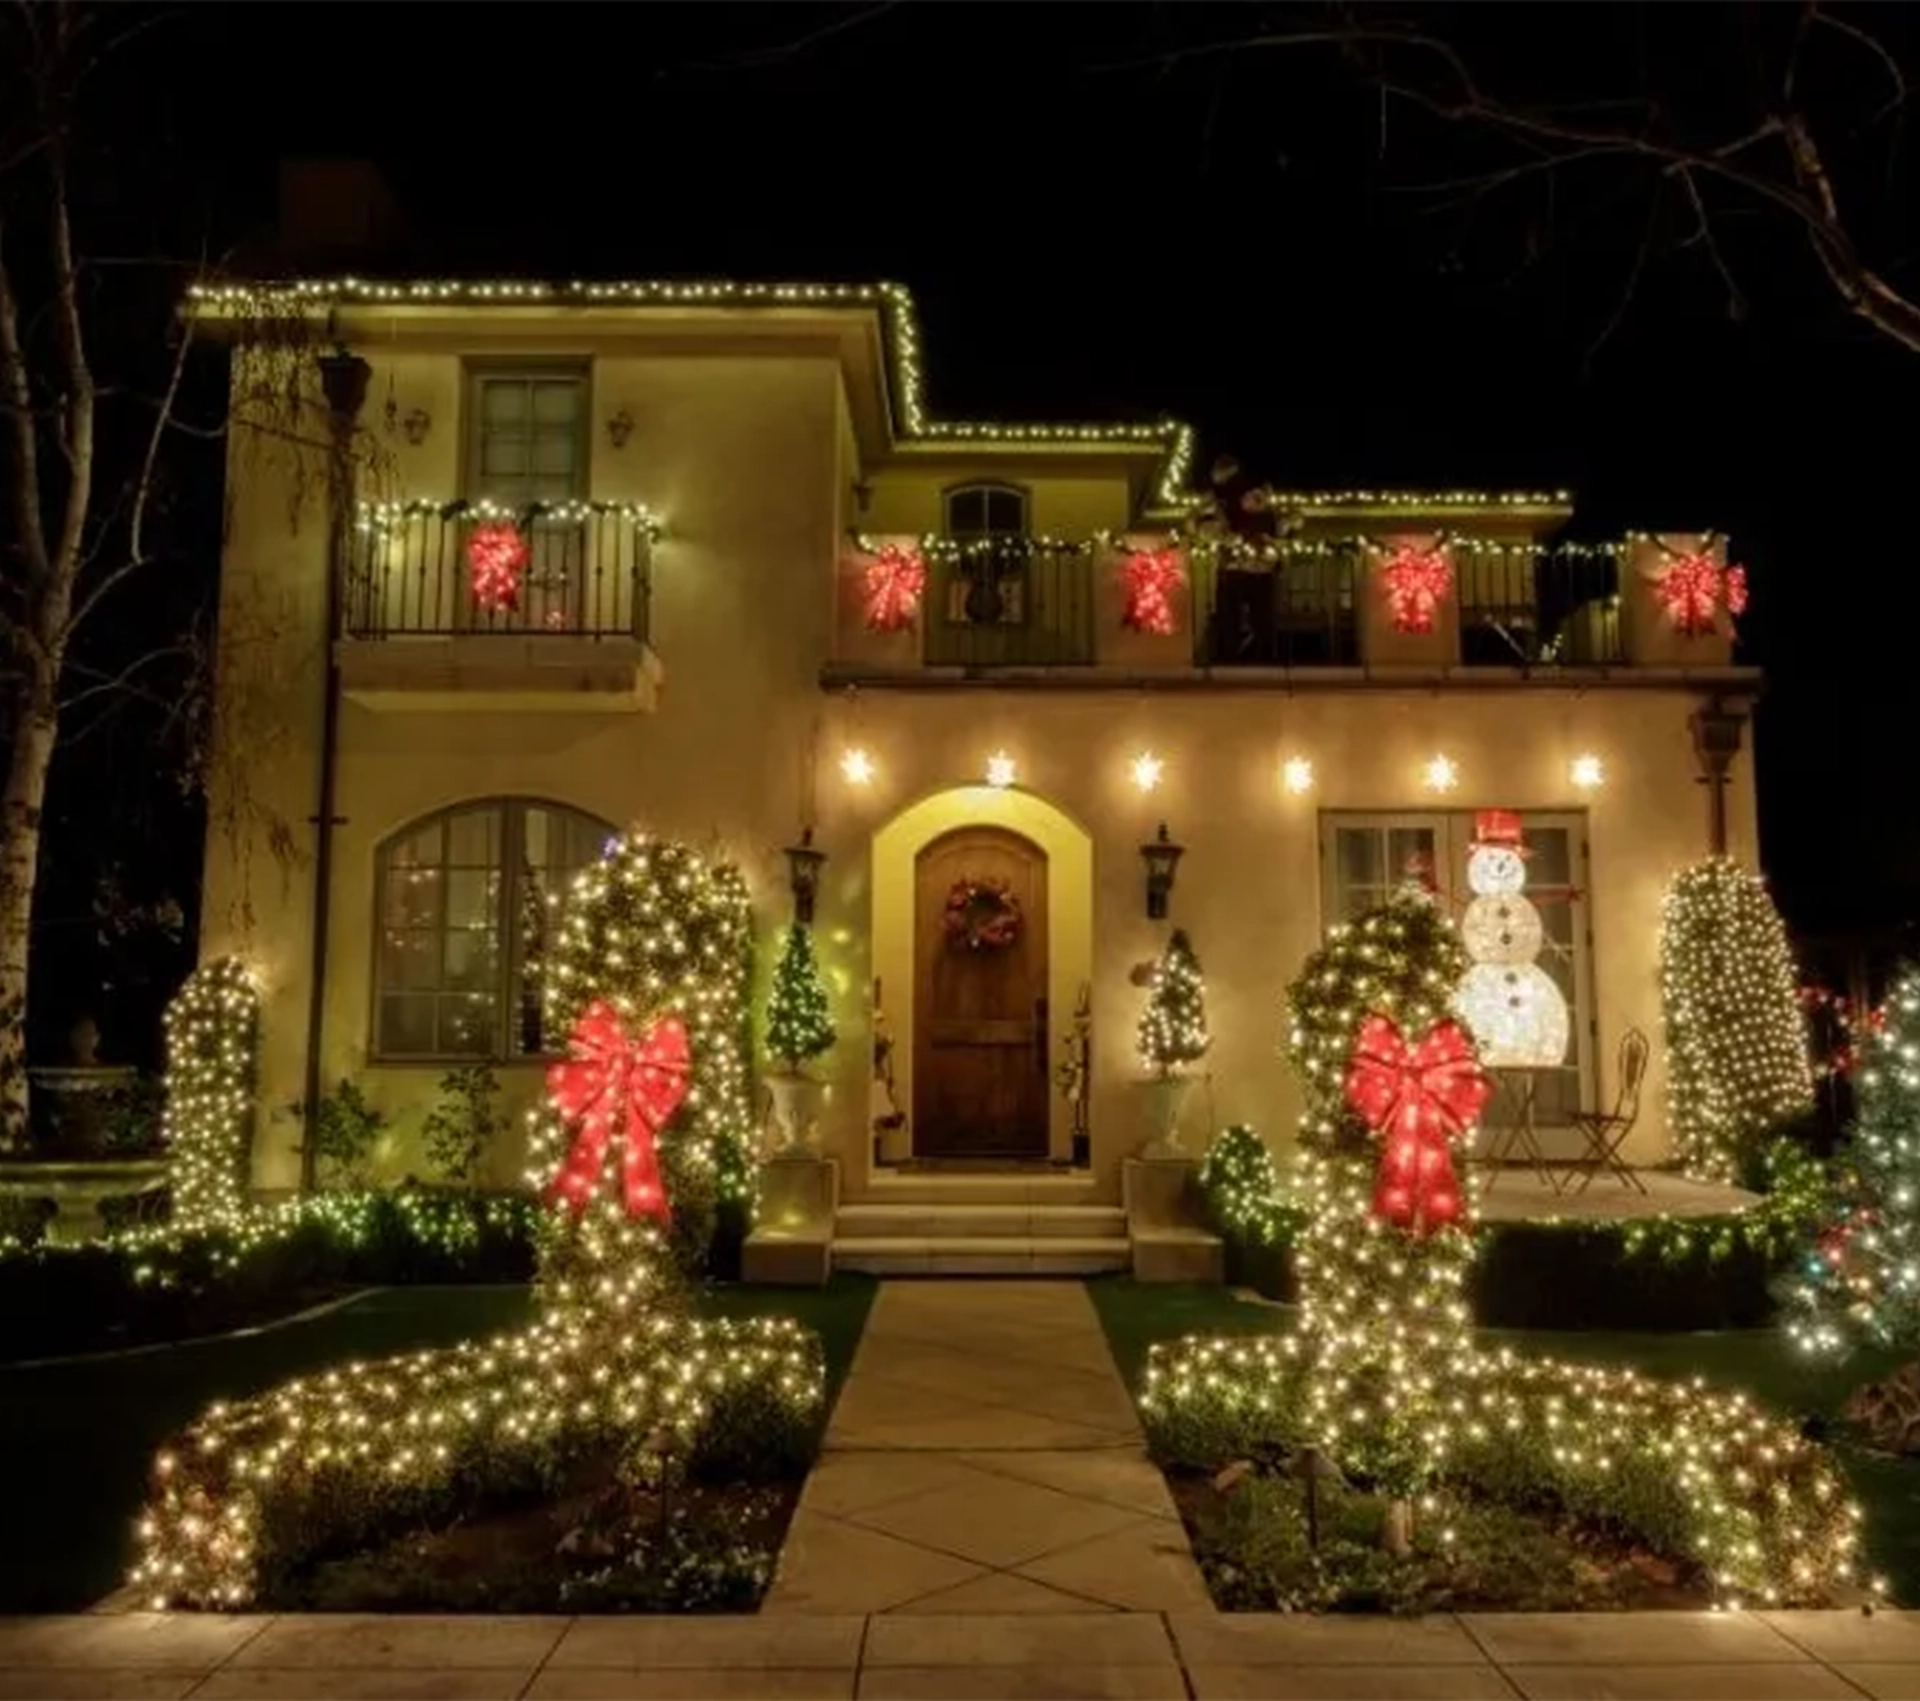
x,y
1526,606
1008,601
1299,611
427,569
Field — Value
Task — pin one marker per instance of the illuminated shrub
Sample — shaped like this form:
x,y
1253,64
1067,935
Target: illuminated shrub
x,y
650,984
213,1065
1737,1061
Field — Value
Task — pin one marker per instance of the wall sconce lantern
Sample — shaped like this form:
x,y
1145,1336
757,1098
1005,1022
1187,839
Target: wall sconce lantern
x,y
620,428
803,875
1162,857
416,423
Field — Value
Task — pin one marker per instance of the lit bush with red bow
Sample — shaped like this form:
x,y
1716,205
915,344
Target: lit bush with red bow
x,y
645,1128
1393,1090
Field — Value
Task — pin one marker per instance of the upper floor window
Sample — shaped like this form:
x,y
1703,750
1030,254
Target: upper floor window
x,y
530,436
986,510
468,913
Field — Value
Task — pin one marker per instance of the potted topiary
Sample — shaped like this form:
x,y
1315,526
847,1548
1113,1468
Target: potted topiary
x,y
799,1029
1172,1034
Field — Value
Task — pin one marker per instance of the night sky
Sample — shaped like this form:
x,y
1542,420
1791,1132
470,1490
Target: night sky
x,y
1103,214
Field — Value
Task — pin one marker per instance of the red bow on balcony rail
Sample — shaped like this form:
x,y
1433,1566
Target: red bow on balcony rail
x,y
617,1082
1419,1099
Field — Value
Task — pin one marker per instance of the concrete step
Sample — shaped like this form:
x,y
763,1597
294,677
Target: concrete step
x,y
986,1255
944,1221
1067,1189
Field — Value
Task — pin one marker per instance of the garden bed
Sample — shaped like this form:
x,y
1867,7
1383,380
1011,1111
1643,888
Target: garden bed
x,y
1251,1540
600,1542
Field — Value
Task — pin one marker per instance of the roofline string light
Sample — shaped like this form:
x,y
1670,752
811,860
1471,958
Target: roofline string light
x,y
900,323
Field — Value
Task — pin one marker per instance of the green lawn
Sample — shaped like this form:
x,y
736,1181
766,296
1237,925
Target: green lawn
x,y
76,1440
1760,1361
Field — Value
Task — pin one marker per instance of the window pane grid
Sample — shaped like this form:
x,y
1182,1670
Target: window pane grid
x,y
468,912
531,433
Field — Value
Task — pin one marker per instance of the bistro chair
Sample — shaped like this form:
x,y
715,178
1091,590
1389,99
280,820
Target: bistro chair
x,y
1606,1131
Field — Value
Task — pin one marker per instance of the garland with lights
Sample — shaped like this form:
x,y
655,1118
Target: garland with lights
x,y
650,980
1149,578
213,1067
799,1017
1859,1280
1415,582
1173,1023
981,915
1737,1061
896,580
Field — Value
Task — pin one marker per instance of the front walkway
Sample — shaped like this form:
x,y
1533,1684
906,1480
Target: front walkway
x,y
984,1458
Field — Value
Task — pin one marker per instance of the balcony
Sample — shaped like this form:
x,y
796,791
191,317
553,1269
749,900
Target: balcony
x,y
1008,602
1524,606
1301,612
564,622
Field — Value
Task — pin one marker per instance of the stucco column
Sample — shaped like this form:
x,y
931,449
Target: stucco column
x,y
1649,635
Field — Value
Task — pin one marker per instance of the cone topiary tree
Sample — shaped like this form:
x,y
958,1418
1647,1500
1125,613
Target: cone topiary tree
x,y
1859,1283
799,1018
1736,1032
1173,1026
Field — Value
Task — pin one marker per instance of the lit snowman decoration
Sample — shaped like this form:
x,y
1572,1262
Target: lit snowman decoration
x,y
1508,1001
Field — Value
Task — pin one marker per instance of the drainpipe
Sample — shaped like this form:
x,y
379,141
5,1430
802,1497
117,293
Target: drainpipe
x,y
1717,727
343,380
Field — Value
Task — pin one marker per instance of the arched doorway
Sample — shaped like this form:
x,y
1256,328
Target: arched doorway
x,y
982,1056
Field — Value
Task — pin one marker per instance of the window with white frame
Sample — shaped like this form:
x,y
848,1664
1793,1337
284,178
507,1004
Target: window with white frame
x,y
1365,857
468,913
529,437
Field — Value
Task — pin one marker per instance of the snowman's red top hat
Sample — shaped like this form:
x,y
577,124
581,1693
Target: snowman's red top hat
x,y
1498,829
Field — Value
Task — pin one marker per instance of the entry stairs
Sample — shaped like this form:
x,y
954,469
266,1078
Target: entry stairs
x,y
989,1225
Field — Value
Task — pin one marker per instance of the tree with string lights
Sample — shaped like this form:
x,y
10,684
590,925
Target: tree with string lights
x,y
1173,1026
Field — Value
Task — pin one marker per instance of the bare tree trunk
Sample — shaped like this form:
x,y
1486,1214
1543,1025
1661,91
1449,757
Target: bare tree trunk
x,y
20,809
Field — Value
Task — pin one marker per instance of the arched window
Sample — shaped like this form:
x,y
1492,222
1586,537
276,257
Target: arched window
x,y
986,510
467,906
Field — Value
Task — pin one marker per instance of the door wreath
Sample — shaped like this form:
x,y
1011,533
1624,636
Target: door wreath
x,y
982,915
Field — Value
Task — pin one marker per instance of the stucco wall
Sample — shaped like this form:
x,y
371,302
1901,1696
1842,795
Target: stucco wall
x,y
751,462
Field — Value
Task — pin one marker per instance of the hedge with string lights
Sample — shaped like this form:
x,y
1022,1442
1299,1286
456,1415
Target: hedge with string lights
x,y
213,1066
1381,1372
643,1127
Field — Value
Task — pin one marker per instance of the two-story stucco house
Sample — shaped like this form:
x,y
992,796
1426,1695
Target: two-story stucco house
x,y
759,590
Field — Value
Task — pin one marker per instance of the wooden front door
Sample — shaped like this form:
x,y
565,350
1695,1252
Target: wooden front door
x,y
980,1062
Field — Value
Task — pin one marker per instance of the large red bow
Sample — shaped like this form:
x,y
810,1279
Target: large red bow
x,y
614,1078
1420,1098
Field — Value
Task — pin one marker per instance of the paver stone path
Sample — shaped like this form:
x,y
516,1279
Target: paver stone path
x,y
985,1458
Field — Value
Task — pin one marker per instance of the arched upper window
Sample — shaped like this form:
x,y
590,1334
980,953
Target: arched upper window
x,y
467,907
986,510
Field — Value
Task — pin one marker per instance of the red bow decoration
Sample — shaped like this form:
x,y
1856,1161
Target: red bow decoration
x,y
1152,576
1416,581
1695,587
1420,1098
896,581
613,1077
496,557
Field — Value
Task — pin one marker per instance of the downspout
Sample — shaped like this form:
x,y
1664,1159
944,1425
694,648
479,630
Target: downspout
x,y
343,380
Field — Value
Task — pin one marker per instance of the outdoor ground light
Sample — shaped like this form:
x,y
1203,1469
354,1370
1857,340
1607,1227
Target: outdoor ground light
x,y
803,874
1162,856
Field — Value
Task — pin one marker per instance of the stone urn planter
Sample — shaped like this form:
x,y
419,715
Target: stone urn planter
x,y
794,1125
1165,1097
76,1106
